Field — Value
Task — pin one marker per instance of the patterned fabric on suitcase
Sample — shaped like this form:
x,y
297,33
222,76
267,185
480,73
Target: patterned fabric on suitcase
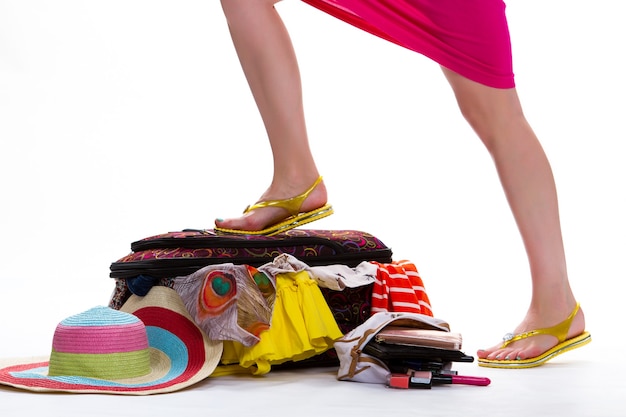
x,y
182,253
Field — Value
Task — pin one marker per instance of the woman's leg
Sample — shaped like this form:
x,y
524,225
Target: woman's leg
x,y
496,116
270,66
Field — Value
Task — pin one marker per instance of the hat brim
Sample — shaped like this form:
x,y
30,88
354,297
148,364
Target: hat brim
x,y
181,354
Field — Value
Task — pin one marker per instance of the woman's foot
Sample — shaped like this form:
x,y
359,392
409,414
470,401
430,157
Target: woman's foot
x,y
261,218
536,345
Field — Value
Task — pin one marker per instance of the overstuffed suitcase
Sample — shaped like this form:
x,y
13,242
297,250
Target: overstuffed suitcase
x,y
166,256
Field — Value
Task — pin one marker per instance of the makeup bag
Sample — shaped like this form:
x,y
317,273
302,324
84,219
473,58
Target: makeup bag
x,y
365,359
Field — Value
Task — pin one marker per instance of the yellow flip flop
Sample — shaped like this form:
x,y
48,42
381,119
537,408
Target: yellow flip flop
x,y
559,331
295,219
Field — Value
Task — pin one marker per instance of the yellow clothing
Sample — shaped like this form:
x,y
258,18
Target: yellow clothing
x,y
302,326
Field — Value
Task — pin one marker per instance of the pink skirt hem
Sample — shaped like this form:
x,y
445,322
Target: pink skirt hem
x,y
469,37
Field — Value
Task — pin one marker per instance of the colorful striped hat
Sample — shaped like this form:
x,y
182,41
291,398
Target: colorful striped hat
x,y
151,345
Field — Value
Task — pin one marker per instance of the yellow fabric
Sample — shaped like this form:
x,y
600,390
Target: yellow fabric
x,y
302,326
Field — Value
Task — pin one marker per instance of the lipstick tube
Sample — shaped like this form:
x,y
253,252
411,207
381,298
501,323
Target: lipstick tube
x,y
426,379
461,379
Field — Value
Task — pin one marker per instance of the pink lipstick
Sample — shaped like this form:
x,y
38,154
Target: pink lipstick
x,y
426,379
461,379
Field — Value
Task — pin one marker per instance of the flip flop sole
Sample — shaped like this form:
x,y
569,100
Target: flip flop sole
x,y
288,224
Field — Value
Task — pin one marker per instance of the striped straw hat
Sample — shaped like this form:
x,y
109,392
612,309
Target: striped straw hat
x,y
151,345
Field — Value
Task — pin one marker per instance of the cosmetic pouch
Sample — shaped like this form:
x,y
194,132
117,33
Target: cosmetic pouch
x,y
356,364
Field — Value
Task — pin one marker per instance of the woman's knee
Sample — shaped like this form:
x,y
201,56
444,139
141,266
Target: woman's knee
x,y
489,111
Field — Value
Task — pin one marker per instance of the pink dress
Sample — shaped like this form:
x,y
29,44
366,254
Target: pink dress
x,y
470,37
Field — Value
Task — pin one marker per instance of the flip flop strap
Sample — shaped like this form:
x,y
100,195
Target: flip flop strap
x,y
559,331
292,205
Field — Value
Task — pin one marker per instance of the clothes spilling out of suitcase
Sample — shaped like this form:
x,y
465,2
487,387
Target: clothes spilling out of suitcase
x,y
301,298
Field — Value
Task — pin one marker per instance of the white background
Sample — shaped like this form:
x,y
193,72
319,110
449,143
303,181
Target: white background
x,y
124,119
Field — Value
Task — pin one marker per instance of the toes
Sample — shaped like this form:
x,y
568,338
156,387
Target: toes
x,y
511,353
488,353
249,221
500,354
254,219
532,351
235,224
225,223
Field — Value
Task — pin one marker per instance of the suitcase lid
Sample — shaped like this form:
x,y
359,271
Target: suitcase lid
x,y
183,252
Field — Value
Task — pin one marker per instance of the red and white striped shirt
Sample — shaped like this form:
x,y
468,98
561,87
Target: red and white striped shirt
x,y
399,288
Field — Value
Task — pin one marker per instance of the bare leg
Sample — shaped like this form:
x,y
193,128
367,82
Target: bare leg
x,y
496,116
269,63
